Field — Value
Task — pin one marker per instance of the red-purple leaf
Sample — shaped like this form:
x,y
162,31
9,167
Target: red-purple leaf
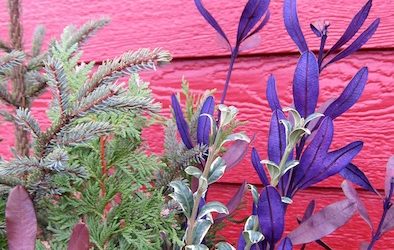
x,y
357,44
233,203
349,96
21,221
259,168
306,84
309,210
285,244
352,194
204,122
79,239
272,95
210,19
353,27
183,127
271,213
388,223
389,176
323,222
352,173
293,25
235,154
252,13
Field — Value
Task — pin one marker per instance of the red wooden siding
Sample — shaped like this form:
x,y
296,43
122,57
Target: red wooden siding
x,y
177,26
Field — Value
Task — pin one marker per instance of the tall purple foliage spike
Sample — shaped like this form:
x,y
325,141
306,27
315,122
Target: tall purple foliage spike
x,y
357,44
285,244
211,20
354,26
276,137
352,173
271,213
204,122
293,25
349,96
259,167
306,84
272,95
181,123
251,15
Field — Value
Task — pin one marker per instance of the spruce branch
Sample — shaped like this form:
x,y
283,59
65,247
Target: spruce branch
x,y
57,80
19,166
35,82
10,60
84,32
4,46
6,97
82,132
26,120
129,63
38,39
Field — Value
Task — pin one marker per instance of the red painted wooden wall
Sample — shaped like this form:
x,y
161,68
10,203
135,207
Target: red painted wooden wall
x,y
176,25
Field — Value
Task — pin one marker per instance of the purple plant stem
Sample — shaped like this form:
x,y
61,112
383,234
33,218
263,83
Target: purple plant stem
x,y
386,205
321,51
234,55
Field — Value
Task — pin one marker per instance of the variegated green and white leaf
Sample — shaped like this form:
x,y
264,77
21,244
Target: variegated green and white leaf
x,y
197,247
297,134
224,246
183,195
253,237
313,117
289,165
200,230
193,171
252,223
255,193
218,167
202,184
227,114
213,206
236,137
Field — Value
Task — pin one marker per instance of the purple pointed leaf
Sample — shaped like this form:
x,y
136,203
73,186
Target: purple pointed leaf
x,y
241,242
211,20
356,23
352,194
79,239
235,154
181,123
285,244
259,27
349,96
293,25
352,173
251,15
270,211
204,122
21,221
388,223
315,153
259,168
323,222
357,44
276,137
315,30
234,202
309,210
306,84
389,176
272,95
334,162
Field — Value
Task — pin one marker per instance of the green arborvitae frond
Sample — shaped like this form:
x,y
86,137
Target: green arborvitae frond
x,y
26,120
38,39
57,80
129,63
82,132
11,60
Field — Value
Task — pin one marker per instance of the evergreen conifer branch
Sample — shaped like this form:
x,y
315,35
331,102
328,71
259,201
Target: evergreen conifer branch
x,y
25,119
128,63
38,39
11,60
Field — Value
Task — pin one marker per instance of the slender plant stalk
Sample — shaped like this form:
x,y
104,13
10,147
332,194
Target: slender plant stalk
x,y
234,55
103,140
15,33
